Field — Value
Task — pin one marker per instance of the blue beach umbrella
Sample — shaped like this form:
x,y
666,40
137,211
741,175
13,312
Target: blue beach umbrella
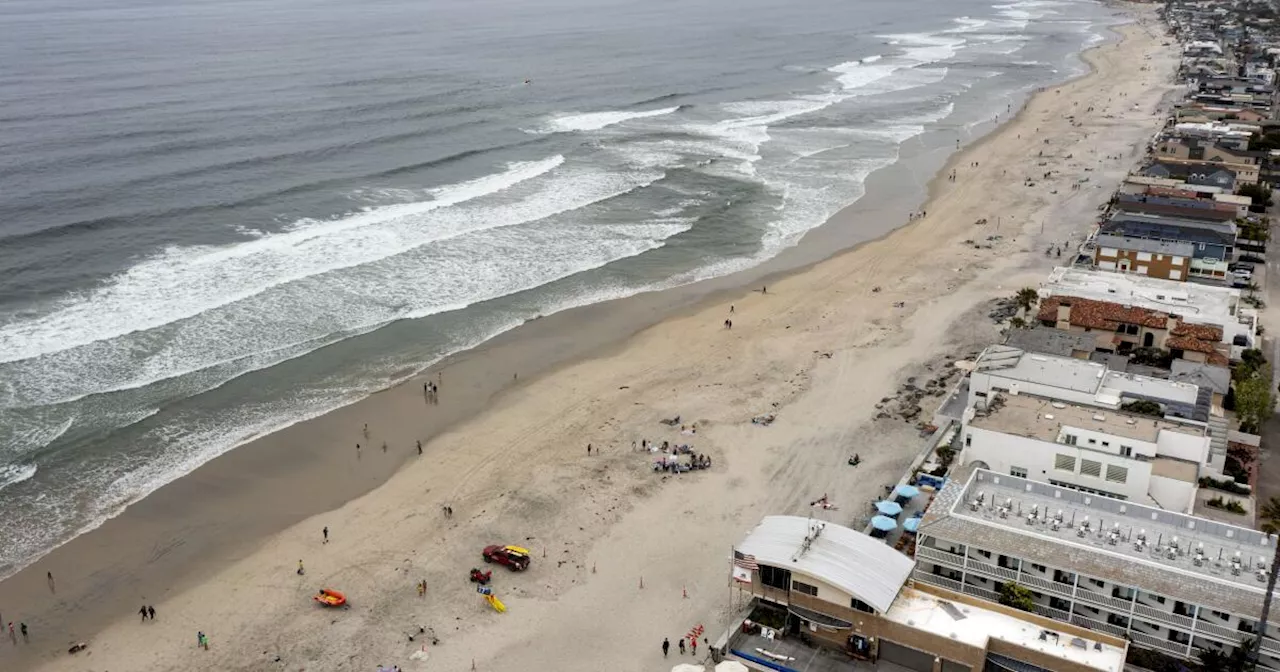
x,y
911,524
889,508
883,523
906,491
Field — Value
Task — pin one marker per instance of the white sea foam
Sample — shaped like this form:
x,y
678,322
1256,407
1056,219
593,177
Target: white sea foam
x,y
185,281
594,121
356,292
15,473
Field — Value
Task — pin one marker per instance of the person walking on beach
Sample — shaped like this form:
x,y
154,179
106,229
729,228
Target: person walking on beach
x,y
51,589
23,627
13,635
693,643
666,646
301,570
588,449
143,612
151,612
326,534
419,447
681,646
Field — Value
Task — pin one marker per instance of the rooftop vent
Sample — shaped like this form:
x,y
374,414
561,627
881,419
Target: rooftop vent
x,y
1100,417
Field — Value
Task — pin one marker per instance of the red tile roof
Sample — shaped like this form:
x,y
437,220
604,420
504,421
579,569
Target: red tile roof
x,y
1100,314
1107,316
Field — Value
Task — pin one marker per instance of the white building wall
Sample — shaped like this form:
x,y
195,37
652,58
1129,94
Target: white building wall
x,y
982,382
1183,446
1004,452
1172,494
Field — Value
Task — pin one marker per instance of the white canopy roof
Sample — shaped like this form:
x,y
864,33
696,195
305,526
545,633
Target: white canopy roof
x,y
854,562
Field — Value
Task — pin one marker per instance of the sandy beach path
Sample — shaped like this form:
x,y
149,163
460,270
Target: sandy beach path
x,y
819,349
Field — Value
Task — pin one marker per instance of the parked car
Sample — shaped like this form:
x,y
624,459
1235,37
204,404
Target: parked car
x,y
514,557
1235,266
1252,259
1242,273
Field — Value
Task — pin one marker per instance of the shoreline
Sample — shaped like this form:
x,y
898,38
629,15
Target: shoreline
x,y
552,341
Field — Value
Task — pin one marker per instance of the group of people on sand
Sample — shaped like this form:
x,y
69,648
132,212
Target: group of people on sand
x,y
147,612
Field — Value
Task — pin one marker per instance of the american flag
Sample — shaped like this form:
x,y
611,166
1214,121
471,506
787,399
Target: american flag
x,y
747,562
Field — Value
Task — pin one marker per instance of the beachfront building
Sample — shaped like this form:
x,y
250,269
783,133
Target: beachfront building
x,y
1212,244
1212,176
1121,455
1196,322
830,586
1198,209
1167,581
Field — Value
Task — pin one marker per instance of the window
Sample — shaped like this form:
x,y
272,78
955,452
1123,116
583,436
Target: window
x,y
1126,451
1117,474
1090,468
1093,442
859,605
1020,472
1177,261
968,440
1106,444
985,554
1100,584
1144,256
804,588
1221,615
774,577
1039,568
1065,462
1070,440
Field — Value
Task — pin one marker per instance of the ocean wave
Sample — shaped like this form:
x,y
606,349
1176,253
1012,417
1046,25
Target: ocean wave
x,y
15,473
182,282
298,306
594,121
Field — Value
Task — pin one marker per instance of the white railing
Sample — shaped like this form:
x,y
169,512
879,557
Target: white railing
x,y
1165,616
1050,612
985,594
991,569
1156,643
934,579
1100,626
1112,603
1215,630
940,557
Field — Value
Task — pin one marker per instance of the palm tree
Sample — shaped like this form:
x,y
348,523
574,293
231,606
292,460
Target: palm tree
x,y
1270,515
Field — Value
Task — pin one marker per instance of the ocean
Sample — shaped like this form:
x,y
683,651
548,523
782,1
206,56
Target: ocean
x,y
221,217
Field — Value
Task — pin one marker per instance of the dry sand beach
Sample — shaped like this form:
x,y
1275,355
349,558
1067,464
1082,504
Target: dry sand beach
x,y
616,546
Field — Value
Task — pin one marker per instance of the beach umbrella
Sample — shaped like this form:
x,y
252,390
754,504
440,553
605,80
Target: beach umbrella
x,y
889,508
732,666
911,524
883,523
907,491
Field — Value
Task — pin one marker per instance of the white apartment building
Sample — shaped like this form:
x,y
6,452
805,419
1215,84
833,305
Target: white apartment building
x,y
1164,580
1120,455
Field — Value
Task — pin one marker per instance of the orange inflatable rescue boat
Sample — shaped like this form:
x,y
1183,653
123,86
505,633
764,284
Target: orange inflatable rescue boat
x,y
330,598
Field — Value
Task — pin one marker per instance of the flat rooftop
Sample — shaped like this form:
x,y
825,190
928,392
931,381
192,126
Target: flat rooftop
x,y
1043,419
1202,304
976,626
1176,555
1081,375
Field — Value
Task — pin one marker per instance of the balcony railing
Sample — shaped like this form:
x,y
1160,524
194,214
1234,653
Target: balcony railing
x,y
988,595
940,557
991,570
1111,603
1163,616
1050,612
1100,626
1156,643
1054,587
934,579
1217,631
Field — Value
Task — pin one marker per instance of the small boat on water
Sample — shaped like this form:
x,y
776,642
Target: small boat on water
x,y
330,598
